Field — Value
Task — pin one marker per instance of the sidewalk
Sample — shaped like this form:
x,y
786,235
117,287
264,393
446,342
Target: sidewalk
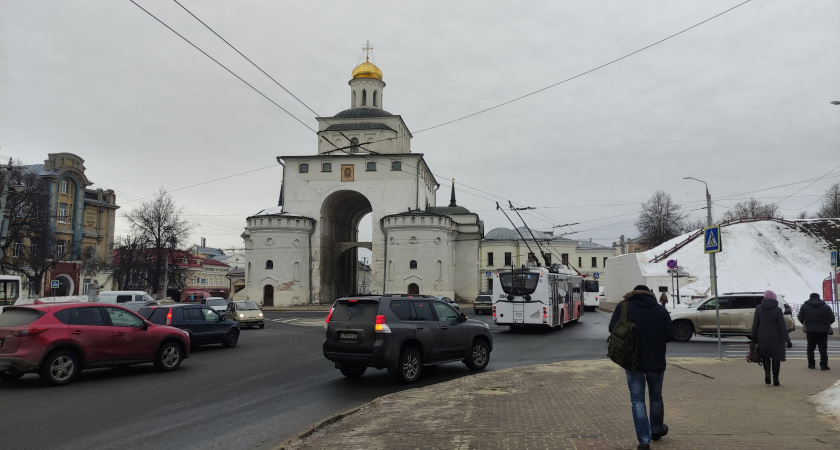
x,y
709,404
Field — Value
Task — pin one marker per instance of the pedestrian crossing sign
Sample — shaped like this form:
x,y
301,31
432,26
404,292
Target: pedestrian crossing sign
x,y
834,261
711,239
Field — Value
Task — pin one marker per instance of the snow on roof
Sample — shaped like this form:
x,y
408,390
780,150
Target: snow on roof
x,y
756,256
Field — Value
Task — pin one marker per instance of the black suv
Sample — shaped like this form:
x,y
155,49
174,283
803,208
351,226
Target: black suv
x,y
402,333
204,324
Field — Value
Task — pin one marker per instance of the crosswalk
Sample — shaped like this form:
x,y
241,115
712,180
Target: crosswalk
x,y
301,321
740,351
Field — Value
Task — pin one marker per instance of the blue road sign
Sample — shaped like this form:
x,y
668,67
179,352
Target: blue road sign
x,y
487,274
672,263
834,258
596,275
54,284
711,239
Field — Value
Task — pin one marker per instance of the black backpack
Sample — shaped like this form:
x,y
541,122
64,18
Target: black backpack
x,y
621,345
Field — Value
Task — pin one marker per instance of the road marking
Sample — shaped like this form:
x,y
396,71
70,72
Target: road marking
x,y
302,322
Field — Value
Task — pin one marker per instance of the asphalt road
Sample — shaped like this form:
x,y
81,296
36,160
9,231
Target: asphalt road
x,y
274,384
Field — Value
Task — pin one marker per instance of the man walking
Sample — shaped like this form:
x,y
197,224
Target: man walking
x,y
654,329
816,318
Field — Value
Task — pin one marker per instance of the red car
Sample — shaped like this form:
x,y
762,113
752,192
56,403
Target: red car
x,y
57,340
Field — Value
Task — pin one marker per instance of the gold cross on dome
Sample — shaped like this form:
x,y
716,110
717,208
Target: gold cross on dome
x,y
367,49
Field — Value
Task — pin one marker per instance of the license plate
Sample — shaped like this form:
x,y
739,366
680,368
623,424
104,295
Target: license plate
x,y
518,315
348,335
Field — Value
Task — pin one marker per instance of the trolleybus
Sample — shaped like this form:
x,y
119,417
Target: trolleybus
x,y
591,295
537,297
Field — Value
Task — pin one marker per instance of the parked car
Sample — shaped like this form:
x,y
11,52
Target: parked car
x,y
736,316
204,324
245,314
119,297
57,340
402,333
448,300
217,303
483,303
137,306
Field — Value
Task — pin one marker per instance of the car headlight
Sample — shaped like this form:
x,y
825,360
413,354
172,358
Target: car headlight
x,y
241,316
260,315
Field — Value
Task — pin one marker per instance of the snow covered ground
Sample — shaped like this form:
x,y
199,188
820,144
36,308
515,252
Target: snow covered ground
x,y
756,256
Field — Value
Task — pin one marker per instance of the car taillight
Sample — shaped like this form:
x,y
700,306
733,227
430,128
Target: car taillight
x,y
169,317
545,313
330,315
28,332
380,326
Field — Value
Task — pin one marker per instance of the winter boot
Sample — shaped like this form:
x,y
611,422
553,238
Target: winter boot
x,y
776,367
766,363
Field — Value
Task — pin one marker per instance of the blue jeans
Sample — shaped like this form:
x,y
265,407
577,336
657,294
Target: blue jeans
x,y
636,382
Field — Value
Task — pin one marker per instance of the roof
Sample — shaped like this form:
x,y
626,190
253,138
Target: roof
x,y
506,234
447,210
359,126
355,113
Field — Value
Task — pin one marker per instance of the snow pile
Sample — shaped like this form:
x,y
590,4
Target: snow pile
x,y
828,402
756,256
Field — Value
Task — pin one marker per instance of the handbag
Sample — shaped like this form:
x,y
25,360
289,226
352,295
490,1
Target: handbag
x,y
754,353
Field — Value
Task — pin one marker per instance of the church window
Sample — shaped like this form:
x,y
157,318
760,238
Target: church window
x,y
412,264
326,167
296,271
303,168
269,264
375,98
371,167
396,165
439,270
364,97
353,101
489,258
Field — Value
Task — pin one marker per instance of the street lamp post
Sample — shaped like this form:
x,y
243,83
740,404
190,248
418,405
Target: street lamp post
x,y
712,265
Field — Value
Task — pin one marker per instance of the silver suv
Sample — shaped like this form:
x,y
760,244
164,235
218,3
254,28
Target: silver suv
x,y
736,316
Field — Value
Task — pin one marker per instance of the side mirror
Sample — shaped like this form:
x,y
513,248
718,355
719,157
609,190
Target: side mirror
x,y
462,317
145,325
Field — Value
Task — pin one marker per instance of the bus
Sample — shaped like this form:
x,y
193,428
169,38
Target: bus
x,y
537,297
9,290
591,292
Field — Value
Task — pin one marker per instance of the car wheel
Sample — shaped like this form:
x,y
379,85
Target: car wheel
x,y
353,370
262,325
169,357
479,355
59,368
409,366
683,331
10,376
231,339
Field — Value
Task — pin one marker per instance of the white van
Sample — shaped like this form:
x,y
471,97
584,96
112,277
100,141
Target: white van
x,y
124,296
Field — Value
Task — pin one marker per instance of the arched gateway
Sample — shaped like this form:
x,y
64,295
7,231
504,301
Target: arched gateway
x,y
363,165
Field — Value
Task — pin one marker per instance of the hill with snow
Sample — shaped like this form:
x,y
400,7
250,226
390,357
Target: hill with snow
x,y
756,256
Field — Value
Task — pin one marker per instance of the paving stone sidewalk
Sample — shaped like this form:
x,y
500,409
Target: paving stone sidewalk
x,y
709,404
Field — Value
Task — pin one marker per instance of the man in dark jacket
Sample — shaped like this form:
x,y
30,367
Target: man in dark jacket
x,y
654,329
816,318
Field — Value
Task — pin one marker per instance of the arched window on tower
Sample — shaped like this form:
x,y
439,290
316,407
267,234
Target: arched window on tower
x,y
364,97
269,264
353,100
412,264
375,95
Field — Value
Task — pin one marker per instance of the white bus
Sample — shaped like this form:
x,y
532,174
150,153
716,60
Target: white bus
x,y
537,297
9,290
591,292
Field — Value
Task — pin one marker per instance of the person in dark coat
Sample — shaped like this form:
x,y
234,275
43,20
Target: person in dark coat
x,y
653,329
770,332
816,318
663,299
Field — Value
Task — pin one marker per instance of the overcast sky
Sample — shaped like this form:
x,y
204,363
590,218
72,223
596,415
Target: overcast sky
x,y
741,101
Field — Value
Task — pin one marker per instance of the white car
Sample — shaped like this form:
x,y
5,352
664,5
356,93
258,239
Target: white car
x,y
736,316
217,303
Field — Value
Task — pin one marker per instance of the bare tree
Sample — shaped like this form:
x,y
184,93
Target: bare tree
x,y
802,215
695,224
830,206
752,209
30,248
660,219
160,225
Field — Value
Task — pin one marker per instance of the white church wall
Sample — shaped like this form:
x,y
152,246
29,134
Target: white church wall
x,y
285,243
424,239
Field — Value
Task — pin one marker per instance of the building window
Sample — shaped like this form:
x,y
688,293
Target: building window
x,y
370,167
605,262
564,258
62,212
412,264
396,165
59,249
531,258
547,257
86,285
490,258
17,251
508,259
326,167
364,97
580,262
64,186
489,285
354,99
303,168
375,95
269,264
594,261
355,143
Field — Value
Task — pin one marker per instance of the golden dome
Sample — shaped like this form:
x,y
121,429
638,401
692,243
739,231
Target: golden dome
x,y
367,70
